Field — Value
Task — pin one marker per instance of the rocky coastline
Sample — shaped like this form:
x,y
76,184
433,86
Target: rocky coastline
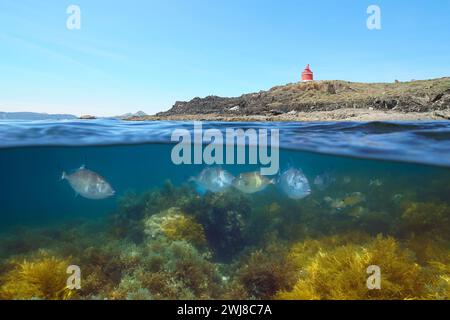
x,y
330,100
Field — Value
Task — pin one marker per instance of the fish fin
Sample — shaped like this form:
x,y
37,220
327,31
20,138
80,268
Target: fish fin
x,y
192,179
63,175
82,167
278,176
273,181
290,163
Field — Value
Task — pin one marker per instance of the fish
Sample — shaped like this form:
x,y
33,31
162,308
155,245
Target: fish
x,y
323,181
350,200
294,184
251,182
337,204
214,179
354,199
89,184
375,183
347,180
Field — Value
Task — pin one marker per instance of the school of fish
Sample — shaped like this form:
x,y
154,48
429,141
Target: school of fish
x,y
292,182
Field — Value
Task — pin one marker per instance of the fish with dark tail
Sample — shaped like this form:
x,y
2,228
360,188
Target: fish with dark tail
x,y
89,184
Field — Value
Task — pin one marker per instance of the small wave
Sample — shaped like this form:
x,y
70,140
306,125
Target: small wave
x,y
418,142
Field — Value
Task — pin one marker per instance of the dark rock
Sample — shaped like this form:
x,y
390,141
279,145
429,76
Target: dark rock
x,y
275,112
87,117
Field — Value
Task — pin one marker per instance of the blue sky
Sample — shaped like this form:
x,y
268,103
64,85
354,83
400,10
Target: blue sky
x,y
145,55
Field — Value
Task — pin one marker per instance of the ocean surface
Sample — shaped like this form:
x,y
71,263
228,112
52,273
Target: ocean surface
x,y
374,179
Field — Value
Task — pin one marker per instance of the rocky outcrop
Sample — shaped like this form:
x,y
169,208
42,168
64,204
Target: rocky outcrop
x,y
87,117
414,96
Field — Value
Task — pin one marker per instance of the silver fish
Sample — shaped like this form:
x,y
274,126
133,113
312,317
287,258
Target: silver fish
x,y
89,184
214,179
375,183
324,180
294,184
251,182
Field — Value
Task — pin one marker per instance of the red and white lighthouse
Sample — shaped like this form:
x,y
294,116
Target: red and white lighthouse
x,y
307,74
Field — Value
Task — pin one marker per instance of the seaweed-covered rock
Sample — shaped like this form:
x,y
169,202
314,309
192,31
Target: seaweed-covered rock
x,y
126,222
432,218
43,277
171,270
264,272
225,217
330,271
175,225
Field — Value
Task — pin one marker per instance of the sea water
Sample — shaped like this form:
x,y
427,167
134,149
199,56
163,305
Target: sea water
x,y
372,185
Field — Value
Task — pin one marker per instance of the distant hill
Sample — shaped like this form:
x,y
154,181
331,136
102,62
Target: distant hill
x,y
34,116
138,114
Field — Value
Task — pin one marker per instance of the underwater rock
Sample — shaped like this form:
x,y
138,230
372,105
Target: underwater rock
x,y
175,225
339,272
130,288
222,216
20,241
264,272
171,270
373,222
126,222
432,218
274,212
225,218
104,265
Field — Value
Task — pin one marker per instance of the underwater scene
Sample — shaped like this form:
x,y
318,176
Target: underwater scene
x,y
350,201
